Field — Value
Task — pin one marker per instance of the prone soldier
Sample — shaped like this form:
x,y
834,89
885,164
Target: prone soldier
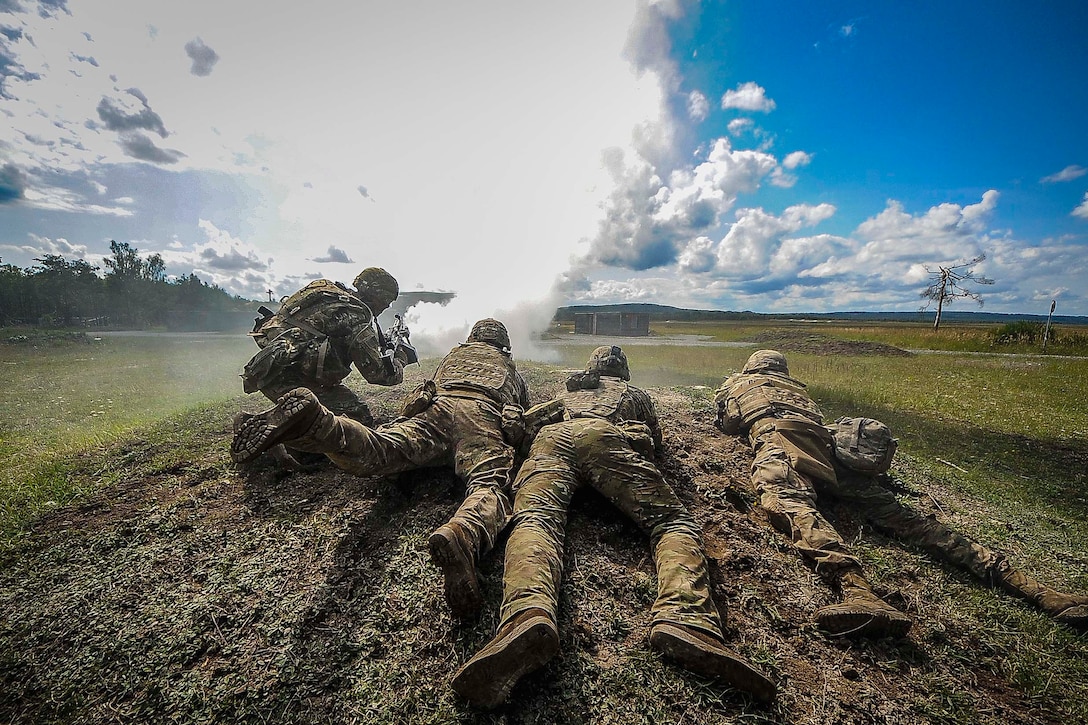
x,y
606,441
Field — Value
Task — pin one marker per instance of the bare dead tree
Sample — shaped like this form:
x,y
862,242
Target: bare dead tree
x,y
947,283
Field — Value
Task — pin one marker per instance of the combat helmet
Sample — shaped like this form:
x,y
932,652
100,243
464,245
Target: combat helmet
x,y
609,360
377,288
492,332
767,361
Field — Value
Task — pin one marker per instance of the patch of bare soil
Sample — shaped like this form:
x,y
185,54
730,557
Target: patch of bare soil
x,y
817,344
192,591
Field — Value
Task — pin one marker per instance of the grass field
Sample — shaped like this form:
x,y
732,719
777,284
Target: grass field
x,y
995,442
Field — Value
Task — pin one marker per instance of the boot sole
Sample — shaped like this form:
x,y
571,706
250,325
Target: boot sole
x,y
486,680
257,433
698,656
863,623
458,573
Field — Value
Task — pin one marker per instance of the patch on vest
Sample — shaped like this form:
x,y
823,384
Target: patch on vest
x,y
863,444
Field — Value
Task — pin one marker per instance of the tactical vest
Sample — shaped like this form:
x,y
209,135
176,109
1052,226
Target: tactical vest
x,y
773,396
606,401
320,290
479,368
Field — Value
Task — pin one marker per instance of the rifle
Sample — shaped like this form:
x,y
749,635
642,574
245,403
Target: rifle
x,y
397,339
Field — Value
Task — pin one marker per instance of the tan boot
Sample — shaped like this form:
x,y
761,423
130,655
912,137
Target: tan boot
x,y
703,654
522,645
453,553
861,613
295,412
1069,609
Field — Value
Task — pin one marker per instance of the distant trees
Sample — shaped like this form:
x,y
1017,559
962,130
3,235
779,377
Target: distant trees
x,y
133,293
947,283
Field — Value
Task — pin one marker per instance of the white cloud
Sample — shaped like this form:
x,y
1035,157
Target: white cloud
x,y
748,97
739,125
698,106
1069,173
796,159
1082,209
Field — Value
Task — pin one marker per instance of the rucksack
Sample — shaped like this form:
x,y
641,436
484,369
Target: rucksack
x,y
864,445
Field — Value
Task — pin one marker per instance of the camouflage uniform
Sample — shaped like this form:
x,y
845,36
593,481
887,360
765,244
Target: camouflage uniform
x,y
595,445
293,356
793,463
462,427
885,512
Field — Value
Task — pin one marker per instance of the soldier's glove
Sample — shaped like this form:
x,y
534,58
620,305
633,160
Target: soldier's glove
x,y
640,437
419,399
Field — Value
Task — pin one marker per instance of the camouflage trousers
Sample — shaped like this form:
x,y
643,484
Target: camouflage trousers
x,y
884,511
789,498
339,398
595,452
459,432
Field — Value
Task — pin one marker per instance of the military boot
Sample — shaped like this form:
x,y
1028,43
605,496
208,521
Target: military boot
x,y
861,613
295,412
704,654
452,552
1069,609
522,645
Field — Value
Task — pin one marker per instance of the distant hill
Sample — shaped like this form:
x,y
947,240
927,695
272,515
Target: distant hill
x,y
661,313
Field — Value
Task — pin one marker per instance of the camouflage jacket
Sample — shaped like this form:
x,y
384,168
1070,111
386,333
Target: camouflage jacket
x,y
482,371
617,402
745,398
350,337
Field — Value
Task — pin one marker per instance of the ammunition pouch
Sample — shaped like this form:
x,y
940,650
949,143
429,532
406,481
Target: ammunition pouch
x,y
639,435
864,445
266,365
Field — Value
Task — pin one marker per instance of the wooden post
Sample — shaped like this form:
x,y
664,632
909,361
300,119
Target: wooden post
x,y
1046,332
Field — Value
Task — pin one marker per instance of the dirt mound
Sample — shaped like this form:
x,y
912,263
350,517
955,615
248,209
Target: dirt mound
x,y
193,591
817,344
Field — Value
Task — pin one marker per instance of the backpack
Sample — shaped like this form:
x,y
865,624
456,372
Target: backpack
x,y
864,445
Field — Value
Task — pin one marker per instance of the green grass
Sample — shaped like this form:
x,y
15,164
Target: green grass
x,y
230,595
68,395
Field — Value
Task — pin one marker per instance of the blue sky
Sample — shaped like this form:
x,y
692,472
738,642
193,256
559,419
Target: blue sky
x,y
771,156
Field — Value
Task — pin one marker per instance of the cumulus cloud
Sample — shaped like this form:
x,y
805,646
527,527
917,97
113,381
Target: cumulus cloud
x,y
12,184
225,253
1082,209
139,146
1069,173
203,57
945,232
698,106
649,222
40,246
121,115
748,97
334,255
739,125
796,159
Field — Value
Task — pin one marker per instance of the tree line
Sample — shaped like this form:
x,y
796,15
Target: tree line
x,y
133,292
